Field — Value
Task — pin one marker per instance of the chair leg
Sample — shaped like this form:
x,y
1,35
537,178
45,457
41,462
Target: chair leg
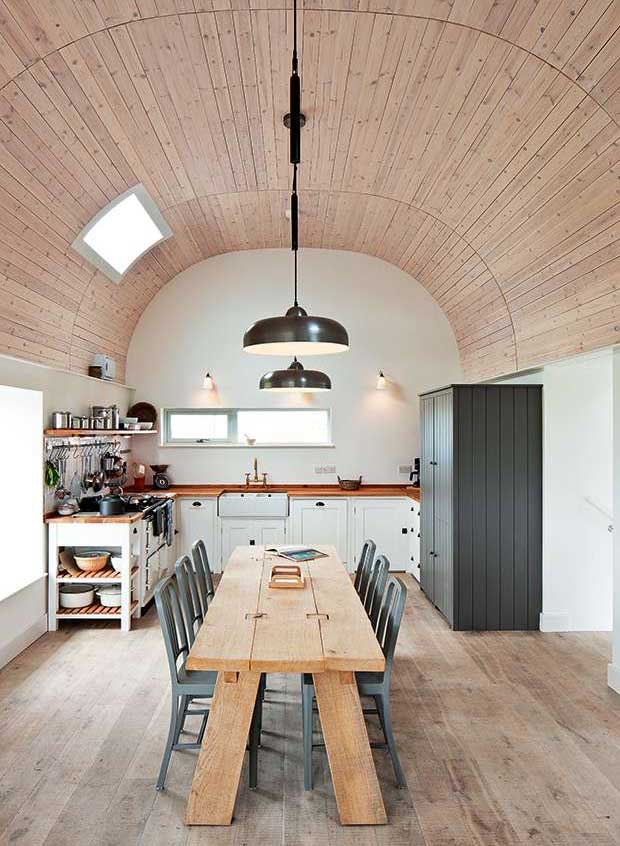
x,y
257,718
307,695
383,707
261,695
203,727
173,736
185,700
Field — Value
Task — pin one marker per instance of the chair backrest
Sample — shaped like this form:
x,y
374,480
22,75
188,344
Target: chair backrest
x,y
203,573
376,587
362,573
190,595
172,624
390,616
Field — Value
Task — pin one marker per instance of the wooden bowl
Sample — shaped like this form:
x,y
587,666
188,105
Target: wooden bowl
x,y
92,561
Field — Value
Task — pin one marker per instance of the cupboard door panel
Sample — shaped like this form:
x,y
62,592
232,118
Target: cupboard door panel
x,y
321,521
442,487
426,496
238,531
383,520
198,520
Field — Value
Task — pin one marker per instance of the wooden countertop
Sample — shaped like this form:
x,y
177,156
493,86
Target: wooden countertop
x,y
300,491
132,517
310,491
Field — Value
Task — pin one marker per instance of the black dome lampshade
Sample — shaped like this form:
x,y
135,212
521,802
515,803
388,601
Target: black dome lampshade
x,y
295,378
297,333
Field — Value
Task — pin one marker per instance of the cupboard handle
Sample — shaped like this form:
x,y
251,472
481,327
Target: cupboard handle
x,y
197,504
319,503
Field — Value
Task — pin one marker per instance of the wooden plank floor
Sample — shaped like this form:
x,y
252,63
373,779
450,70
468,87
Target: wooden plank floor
x,y
505,739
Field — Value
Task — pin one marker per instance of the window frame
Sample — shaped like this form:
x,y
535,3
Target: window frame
x,y
231,442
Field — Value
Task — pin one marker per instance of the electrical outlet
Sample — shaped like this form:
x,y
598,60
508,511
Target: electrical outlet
x,y
321,469
404,469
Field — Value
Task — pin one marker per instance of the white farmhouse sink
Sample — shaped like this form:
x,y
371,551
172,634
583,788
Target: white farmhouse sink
x,y
253,505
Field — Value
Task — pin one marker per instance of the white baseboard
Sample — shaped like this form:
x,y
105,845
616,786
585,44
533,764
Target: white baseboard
x,y
554,622
9,650
613,677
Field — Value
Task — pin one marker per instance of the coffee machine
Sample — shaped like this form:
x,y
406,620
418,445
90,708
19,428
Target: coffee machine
x,y
414,476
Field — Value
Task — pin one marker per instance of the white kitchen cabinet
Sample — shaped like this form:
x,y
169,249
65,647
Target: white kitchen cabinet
x,y
197,519
414,539
386,521
321,520
236,531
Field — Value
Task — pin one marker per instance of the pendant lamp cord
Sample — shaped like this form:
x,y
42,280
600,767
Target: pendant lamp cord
x,y
294,225
295,153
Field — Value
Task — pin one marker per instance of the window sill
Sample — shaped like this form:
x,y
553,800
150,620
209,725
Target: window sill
x,y
248,446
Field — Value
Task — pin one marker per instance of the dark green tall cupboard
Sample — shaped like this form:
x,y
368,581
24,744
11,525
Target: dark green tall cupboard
x,y
481,505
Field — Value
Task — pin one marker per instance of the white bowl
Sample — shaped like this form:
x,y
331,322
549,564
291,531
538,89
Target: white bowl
x,y
145,427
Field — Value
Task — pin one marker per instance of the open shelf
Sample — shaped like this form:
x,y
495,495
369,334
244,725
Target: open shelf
x,y
104,433
109,574
93,612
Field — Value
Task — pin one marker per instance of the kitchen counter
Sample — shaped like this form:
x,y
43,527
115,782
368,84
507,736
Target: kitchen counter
x,y
311,491
132,517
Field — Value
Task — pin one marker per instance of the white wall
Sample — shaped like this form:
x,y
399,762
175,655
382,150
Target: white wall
x,y
196,323
577,466
613,674
23,616
62,391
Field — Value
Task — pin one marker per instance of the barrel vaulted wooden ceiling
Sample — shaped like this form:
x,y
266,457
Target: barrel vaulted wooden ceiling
x,y
473,143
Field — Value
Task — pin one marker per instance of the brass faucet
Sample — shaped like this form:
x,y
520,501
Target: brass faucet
x,y
254,479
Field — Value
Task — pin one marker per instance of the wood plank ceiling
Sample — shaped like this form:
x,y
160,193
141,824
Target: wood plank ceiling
x,y
473,143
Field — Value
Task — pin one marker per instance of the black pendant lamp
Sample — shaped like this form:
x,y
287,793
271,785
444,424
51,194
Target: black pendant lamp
x,y
296,378
297,333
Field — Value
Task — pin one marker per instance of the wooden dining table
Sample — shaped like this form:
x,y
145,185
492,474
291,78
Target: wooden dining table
x,y
251,629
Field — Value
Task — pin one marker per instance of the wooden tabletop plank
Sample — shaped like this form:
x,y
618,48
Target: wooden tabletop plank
x,y
349,642
224,641
287,637
251,626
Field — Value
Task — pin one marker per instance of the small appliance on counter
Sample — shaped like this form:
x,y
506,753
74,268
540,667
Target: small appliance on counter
x,y
160,479
107,366
414,476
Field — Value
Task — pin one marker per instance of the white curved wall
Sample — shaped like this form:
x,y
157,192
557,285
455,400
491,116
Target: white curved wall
x,y
196,323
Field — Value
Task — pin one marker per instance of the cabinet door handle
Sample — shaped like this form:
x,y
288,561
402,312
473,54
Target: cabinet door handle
x,y
197,504
319,503
431,552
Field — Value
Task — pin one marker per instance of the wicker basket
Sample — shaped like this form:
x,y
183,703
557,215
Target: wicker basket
x,y
349,484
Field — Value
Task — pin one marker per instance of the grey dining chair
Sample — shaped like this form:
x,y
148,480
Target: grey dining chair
x,y
377,577
375,685
188,685
367,556
203,573
189,594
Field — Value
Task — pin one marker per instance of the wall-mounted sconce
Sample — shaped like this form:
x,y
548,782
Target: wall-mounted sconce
x,y
208,384
381,381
